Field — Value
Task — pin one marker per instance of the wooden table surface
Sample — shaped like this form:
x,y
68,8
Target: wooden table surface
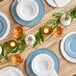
x,y
66,68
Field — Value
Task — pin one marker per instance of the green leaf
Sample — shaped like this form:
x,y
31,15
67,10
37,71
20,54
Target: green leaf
x,y
15,50
4,48
22,46
71,10
41,35
37,37
21,38
58,14
50,22
56,24
72,18
35,44
0,57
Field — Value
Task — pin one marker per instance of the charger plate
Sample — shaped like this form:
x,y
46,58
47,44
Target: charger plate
x,y
28,23
41,51
65,51
4,26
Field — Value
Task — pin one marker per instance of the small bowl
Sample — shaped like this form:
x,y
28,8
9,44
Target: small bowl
x,y
27,10
42,65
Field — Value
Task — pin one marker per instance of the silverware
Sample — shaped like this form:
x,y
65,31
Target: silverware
x,y
55,3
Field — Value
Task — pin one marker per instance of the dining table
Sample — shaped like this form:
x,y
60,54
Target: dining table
x,y
66,68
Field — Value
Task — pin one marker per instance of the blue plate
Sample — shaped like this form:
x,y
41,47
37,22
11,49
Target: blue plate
x,y
3,26
28,23
39,51
70,45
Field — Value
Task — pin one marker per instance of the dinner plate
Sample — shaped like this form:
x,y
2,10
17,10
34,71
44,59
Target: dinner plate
x,y
42,65
70,45
58,3
41,51
4,26
64,51
15,71
28,23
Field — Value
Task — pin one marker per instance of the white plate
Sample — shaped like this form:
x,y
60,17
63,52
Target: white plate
x,y
14,71
8,25
54,73
27,9
51,2
66,56
58,3
42,65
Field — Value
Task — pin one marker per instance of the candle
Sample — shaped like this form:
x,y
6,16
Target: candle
x,y
12,44
16,59
46,30
18,32
57,31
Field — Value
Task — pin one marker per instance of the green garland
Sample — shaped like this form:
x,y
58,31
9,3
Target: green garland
x,y
20,42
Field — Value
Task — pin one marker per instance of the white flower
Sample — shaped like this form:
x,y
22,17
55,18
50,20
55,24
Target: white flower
x,y
30,39
0,50
65,21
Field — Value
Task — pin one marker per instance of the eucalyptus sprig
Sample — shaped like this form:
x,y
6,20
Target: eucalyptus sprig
x,y
39,37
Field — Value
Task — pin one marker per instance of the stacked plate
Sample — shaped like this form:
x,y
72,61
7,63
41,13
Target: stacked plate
x,y
68,47
10,71
58,3
27,12
4,26
42,62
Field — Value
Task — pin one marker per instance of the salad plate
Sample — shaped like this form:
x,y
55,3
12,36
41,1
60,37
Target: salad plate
x,y
4,26
68,48
32,22
41,51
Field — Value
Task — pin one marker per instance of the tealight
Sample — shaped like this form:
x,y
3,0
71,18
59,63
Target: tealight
x,y
12,44
16,59
46,30
57,31
18,32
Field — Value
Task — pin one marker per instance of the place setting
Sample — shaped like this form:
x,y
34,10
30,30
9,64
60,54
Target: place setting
x,y
11,71
4,26
27,12
68,48
42,62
